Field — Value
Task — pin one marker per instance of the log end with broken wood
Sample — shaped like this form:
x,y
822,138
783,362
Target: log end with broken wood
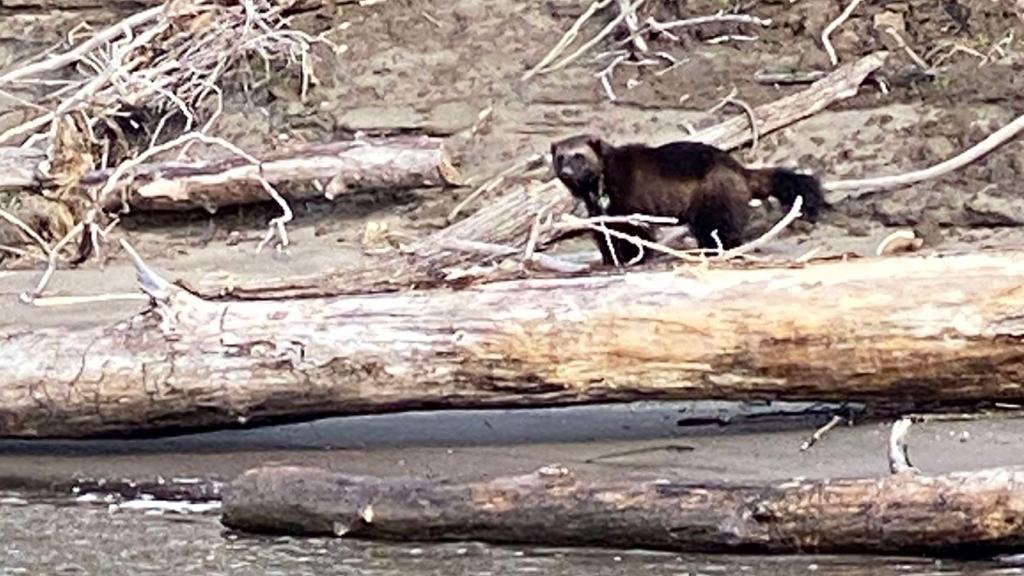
x,y
978,512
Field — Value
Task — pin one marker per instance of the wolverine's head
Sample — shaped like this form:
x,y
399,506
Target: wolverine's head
x,y
578,163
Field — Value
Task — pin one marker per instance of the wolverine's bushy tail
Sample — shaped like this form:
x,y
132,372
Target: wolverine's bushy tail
x,y
785,185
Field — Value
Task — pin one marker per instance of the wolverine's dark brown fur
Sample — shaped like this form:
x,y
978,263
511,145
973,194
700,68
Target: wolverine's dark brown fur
x,y
701,185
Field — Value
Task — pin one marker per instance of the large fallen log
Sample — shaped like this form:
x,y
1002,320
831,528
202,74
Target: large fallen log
x,y
508,219
893,332
955,514
335,168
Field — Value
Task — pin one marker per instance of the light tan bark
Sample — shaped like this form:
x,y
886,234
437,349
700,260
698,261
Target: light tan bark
x,y
892,332
338,167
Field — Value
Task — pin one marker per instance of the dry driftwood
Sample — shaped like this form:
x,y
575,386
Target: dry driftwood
x,y
508,220
365,164
953,514
423,263
35,6
895,333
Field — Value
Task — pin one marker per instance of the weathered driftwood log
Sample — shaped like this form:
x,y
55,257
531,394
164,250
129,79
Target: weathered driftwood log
x,y
36,6
894,332
508,220
953,514
338,167
399,162
424,263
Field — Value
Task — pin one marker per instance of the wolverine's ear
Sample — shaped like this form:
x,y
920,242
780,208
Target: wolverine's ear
x,y
597,144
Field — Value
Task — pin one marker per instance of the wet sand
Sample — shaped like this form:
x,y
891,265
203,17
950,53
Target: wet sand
x,y
642,438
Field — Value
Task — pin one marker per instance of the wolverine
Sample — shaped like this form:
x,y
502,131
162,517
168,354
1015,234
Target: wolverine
x,y
702,186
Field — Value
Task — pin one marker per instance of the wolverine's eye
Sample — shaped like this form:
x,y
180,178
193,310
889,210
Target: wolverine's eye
x,y
578,156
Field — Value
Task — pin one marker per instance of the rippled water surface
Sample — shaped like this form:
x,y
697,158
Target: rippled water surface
x,y
46,538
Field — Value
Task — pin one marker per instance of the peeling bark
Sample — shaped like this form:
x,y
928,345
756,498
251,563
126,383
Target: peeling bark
x,y
960,513
895,333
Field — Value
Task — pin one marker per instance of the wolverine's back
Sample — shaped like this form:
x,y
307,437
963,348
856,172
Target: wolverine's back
x,y
663,179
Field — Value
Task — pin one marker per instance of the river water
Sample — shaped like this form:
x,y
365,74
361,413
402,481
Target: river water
x,y
47,538
48,528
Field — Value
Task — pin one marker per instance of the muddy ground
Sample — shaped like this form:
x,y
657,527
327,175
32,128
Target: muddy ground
x,y
419,66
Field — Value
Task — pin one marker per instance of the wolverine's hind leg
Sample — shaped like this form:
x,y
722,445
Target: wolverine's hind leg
x,y
722,208
705,229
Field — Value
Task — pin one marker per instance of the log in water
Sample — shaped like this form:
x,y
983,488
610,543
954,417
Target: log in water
x,y
961,513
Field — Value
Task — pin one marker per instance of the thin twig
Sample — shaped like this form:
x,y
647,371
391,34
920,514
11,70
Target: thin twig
x,y
701,20
54,301
22,253
957,48
788,76
906,48
74,55
18,223
531,241
633,23
51,265
567,38
808,256
793,214
605,76
900,239
731,38
718,242
607,237
154,285
278,223
570,222
724,101
821,432
832,27
754,133
990,143
899,458
593,41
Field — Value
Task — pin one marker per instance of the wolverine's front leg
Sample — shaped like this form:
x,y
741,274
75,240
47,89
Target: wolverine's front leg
x,y
626,252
